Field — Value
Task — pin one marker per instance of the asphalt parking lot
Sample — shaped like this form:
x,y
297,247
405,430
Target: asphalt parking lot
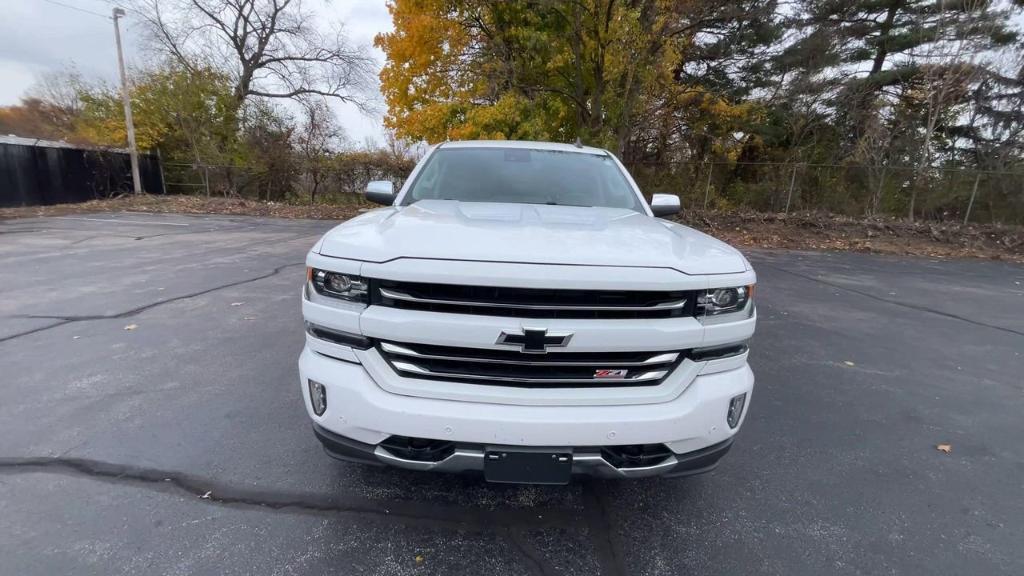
x,y
151,423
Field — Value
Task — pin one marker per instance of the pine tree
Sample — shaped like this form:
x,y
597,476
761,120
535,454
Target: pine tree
x,y
873,49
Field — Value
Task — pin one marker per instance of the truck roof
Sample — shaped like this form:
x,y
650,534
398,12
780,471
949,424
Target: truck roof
x,y
526,144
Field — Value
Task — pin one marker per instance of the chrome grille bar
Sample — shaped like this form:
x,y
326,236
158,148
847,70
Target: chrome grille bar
x,y
509,368
660,358
411,368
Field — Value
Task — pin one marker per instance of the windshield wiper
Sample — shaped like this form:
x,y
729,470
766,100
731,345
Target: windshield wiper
x,y
552,203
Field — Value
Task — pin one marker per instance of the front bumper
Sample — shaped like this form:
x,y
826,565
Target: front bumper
x,y
470,458
361,415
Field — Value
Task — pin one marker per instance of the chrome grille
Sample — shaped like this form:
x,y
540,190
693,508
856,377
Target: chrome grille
x,y
507,368
533,302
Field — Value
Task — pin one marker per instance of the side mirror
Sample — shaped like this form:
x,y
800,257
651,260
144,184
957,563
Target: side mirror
x,y
381,192
665,204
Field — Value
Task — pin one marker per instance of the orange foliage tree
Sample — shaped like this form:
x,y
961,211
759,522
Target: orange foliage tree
x,y
598,70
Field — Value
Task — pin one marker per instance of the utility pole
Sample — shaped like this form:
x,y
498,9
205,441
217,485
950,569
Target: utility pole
x,y
132,152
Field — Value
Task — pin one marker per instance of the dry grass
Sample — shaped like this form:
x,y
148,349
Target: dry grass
x,y
813,231
174,204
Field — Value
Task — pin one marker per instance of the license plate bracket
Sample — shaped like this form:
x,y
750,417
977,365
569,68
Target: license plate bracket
x,y
527,466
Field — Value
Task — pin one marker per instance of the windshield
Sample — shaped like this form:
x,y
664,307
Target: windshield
x,y
523,176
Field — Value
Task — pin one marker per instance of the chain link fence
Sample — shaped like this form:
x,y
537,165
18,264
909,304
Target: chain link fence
x,y
981,196
330,182
964,195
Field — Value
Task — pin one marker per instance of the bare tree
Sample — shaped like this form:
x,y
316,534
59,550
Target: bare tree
x,y
60,93
949,67
318,137
402,149
270,48
872,150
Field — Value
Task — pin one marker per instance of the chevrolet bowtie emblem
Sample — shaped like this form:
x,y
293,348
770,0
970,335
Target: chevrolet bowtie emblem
x,y
534,340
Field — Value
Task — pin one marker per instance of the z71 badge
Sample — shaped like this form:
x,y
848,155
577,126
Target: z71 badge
x,y
610,373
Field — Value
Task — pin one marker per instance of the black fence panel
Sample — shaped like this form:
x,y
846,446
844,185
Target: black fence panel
x,y
34,174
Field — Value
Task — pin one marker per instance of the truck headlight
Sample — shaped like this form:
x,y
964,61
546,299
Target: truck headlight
x,y
337,285
724,300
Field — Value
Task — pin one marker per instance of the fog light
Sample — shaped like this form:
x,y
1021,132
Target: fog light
x,y
318,397
735,410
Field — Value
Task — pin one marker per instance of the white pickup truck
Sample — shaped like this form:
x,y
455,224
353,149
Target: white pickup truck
x,y
518,309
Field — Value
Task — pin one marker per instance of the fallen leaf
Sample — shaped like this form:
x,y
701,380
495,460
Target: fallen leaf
x,y
419,559
237,303
848,363
131,327
945,448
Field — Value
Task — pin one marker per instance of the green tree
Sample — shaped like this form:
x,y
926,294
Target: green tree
x,y
189,115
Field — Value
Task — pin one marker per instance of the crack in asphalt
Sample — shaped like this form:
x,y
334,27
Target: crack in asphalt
x,y
32,331
64,320
601,536
893,302
215,493
534,558
88,238
509,524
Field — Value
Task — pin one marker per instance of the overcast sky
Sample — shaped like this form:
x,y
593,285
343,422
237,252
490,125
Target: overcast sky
x,y
37,35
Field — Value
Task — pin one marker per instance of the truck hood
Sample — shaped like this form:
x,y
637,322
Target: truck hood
x,y
529,233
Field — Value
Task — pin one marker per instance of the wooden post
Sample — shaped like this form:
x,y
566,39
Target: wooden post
x,y
974,192
792,182
163,181
707,188
206,179
877,200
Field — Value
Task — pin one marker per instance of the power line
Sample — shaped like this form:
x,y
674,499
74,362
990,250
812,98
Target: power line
x,y
55,2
